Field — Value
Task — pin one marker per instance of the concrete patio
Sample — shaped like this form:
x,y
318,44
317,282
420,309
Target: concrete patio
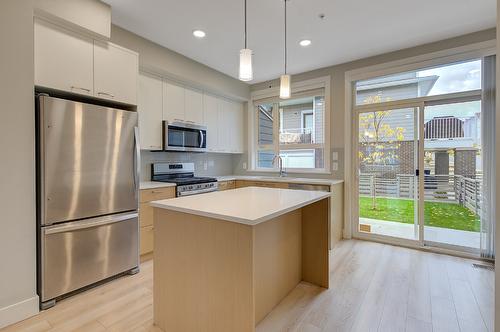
x,y
434,234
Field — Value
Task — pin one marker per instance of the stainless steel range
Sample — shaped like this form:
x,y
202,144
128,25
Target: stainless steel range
x,y
182,174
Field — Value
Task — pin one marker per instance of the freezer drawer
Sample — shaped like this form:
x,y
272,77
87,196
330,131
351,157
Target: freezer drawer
x,y
77,254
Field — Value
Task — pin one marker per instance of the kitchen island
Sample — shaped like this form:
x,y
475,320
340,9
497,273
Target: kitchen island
x,y
224,260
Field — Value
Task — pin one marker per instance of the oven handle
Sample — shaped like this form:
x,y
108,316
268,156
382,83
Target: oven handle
x,y
195,192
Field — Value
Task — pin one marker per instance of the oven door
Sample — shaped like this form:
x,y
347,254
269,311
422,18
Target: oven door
x,y
179,136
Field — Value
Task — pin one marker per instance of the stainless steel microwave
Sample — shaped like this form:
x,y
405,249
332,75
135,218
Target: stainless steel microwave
x,y
182,136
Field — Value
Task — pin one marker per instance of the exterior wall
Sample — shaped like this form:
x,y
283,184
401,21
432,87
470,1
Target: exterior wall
x,y
292,115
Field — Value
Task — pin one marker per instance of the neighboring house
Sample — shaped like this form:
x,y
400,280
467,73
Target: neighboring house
x,y
444,136
301,122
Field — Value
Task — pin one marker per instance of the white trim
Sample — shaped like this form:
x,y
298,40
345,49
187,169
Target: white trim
x,y
462,53
323,82
18,311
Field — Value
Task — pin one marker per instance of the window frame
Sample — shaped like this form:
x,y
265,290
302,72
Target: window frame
x,y
460,53
273,93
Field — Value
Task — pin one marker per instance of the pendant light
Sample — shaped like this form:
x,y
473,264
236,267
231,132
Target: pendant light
x,y
285,79
246,71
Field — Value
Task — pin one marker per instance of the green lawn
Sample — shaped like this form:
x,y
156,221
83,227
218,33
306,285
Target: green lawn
x,y
446,215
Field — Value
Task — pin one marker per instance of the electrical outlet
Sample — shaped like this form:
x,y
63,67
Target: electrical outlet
x,y
205,165
335,156
244,165
335,166
211,163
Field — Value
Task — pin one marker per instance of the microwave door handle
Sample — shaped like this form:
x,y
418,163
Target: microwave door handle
x,y
202,139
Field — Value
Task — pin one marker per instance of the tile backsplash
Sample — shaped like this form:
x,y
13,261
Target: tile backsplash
x,y
206,164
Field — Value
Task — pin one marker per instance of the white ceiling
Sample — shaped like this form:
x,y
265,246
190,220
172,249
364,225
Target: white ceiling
x,y
351,29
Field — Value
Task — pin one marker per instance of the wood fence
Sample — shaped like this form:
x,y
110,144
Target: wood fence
x,y
440,188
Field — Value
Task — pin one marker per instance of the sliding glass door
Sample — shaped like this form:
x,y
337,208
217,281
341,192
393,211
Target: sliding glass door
x,y
387,152
424,156
453,175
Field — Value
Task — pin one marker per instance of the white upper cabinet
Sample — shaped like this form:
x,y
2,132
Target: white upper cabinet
x,y
150,109
67,61
115,73
63,60
173,102
210,115
225,123
237,128
193,111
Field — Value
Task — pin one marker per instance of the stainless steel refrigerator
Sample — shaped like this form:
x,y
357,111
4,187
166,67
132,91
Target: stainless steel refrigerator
x,y
87,193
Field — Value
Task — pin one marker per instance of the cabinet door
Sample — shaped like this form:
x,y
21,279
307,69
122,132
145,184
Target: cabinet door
x,y
238,128
63,59
150,109
235,125
210,116
224,122
173,102
193,106
115,73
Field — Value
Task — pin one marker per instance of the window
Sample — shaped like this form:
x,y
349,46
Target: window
x,y
293,129
449,78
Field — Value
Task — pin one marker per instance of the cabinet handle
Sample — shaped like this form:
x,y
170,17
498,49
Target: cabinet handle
x,y
190,121
106,94
179,120
79,88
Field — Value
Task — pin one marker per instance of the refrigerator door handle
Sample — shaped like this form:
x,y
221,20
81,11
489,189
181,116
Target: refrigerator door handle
x,y
137,161
88,223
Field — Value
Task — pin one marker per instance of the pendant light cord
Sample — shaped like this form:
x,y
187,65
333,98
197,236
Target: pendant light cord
x,y
245,11
285,39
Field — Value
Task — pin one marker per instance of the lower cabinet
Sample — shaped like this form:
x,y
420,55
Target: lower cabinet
x,y
226,185
245,183
336,202
146,215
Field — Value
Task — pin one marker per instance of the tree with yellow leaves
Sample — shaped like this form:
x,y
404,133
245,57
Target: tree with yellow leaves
x,y
379,139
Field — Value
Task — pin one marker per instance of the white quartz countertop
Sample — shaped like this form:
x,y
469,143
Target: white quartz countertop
x,y
154,184
288,179
249,205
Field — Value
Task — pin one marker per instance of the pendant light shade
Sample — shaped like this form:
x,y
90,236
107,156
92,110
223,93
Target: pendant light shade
x,y
285,90
246,70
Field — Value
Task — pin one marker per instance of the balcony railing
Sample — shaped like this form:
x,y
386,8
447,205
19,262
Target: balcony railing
x,y
296,136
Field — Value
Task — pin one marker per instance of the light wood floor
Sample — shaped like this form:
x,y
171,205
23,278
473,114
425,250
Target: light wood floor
x,y
374,287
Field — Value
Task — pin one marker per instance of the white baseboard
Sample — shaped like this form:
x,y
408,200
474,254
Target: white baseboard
x,y
18,311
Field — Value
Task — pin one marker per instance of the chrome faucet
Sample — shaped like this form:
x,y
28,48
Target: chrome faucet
x,y
280,164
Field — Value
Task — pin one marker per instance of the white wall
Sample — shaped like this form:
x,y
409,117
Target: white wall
x,y
163,61
18,298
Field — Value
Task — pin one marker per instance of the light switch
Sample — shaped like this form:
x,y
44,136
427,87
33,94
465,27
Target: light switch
x,y
244,165
335,166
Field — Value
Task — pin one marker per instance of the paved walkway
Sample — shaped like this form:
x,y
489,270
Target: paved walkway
x,y
434,234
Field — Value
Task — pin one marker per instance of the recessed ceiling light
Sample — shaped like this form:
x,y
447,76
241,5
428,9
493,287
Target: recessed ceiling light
x,y
199,33
305,42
